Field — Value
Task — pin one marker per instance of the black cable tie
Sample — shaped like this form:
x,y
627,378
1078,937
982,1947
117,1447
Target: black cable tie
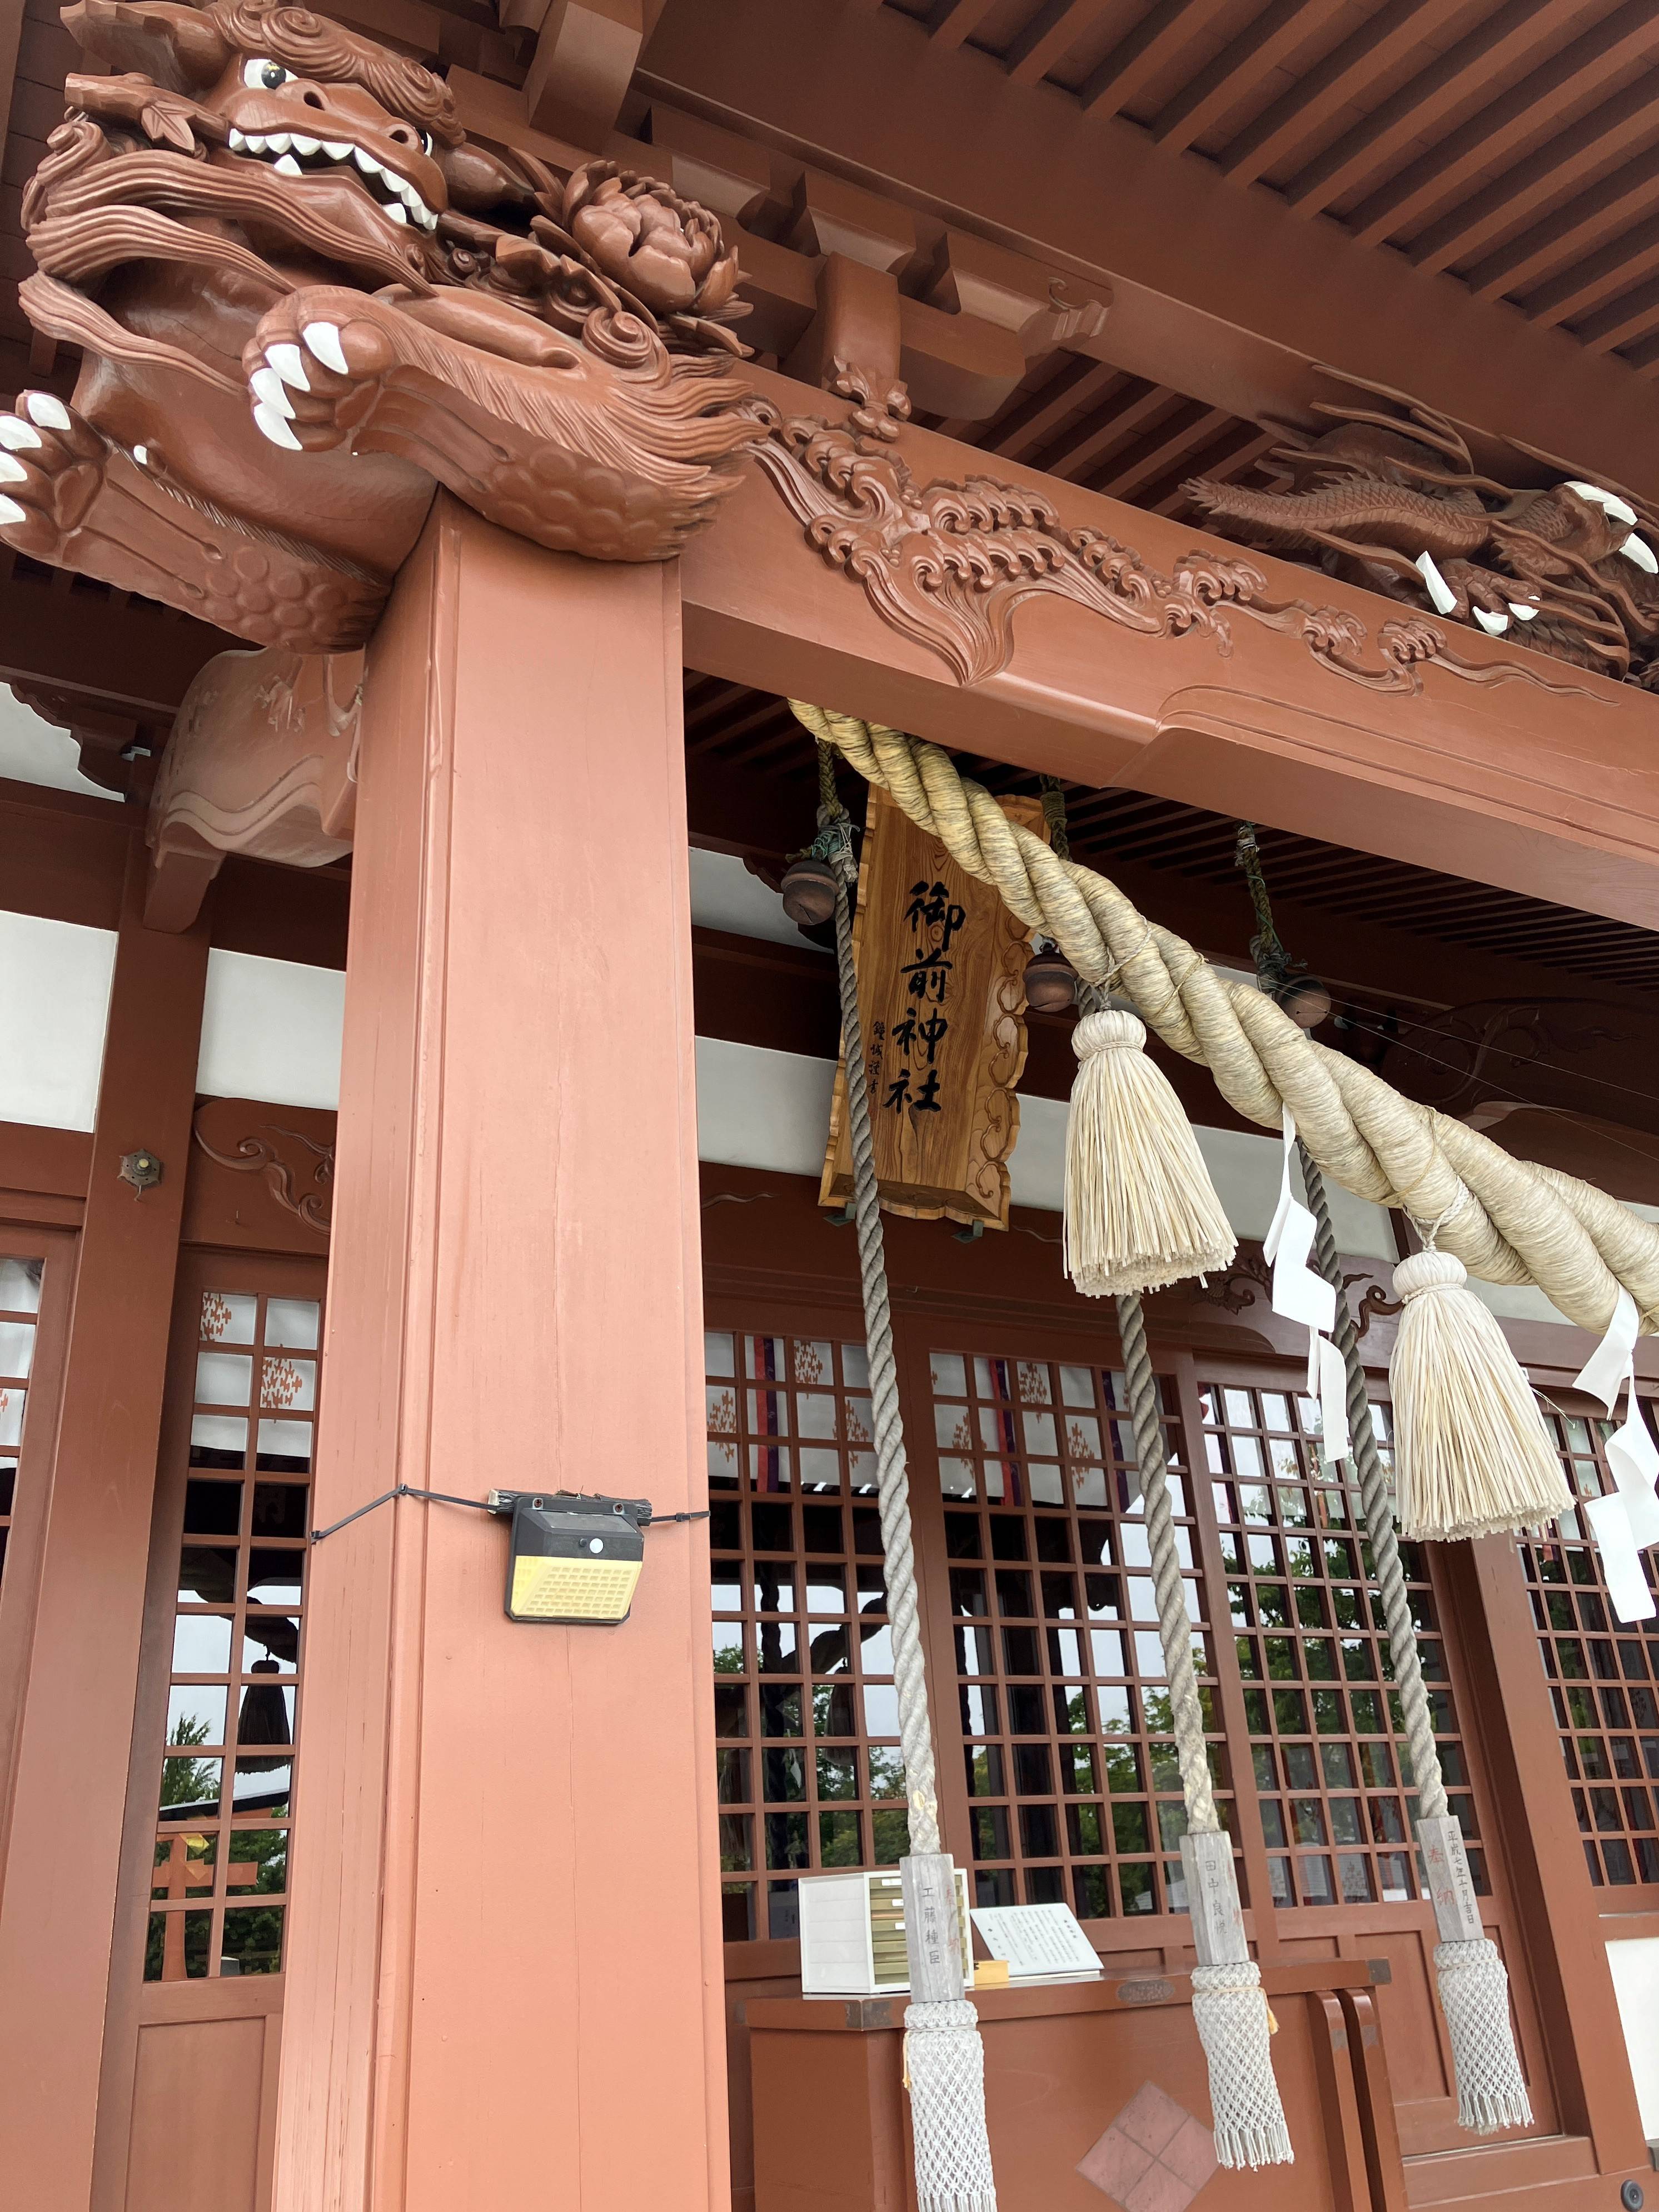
x,y
656,1518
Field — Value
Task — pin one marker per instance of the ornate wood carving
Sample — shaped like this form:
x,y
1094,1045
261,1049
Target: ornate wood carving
x,y
302,298
1248,1281
942,991
262,760
1564,1055
294,1164
1391,499
948,564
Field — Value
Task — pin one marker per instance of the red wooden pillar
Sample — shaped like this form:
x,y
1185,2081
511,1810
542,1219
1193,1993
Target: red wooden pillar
x,y
504,1974
59,1863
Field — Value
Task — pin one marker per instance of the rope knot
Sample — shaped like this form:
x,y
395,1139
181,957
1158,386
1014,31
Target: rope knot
x,y
1429,1270
1109,1031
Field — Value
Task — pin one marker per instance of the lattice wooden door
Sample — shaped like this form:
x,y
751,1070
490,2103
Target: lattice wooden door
x,y
187,2110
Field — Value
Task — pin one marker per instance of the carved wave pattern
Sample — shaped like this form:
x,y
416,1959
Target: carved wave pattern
x,y
949,564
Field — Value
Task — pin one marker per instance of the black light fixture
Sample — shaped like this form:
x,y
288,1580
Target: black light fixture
x,y
572,1559
1050,981
809,890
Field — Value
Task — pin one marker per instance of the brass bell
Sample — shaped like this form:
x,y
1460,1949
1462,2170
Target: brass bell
x,y
1050,981
1306,999
809,890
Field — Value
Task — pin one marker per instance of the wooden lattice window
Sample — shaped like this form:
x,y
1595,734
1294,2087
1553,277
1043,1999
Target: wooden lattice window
x,y
806,1717
219,1885
1074,1791
1332,1772
20,1310
1603,1674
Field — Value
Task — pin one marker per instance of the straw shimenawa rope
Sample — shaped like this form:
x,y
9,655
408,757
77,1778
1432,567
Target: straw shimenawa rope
x,y
1520,1223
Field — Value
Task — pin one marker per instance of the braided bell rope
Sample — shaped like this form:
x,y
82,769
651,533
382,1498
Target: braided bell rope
x,y
945,2057
1377,1507
1175,1630
1514,1222
892,1484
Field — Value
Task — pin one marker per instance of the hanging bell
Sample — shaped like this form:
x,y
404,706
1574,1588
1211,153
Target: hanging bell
x,y
1306,999
1050,981
809,890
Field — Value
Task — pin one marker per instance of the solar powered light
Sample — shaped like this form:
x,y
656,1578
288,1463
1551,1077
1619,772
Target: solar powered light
x,y
572,1559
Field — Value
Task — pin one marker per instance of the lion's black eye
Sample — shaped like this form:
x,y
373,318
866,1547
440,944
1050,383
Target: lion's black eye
x,y
426,141
263,75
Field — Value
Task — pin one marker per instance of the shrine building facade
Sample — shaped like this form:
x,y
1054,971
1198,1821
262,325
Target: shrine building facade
x,y
445,443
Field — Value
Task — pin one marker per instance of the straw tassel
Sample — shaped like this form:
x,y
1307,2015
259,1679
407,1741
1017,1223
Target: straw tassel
x,y
1472,1455
1141,1209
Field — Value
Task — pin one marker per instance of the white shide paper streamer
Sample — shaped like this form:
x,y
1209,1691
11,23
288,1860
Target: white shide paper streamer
x,y
1300,1295
1627,1521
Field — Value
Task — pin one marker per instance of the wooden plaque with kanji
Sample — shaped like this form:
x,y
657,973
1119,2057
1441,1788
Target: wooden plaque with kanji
x,y
941,965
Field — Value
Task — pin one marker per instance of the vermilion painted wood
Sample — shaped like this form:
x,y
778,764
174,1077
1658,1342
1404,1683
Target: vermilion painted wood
x,y
1223,294
57,1911
514,1299
190,2064
1061,2062
1510,783
20,1587
1560,1911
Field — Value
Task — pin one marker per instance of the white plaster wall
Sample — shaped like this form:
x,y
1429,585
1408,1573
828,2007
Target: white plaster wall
x,y
32,750
725,896
271,1029
1635,1964
54,1007
760,1108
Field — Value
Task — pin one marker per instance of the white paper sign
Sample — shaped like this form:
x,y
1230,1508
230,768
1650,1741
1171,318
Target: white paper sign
x,y
1041,1942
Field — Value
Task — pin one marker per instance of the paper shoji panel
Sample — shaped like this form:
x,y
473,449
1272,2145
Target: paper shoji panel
x,y
1075,1795
1332,1770
810,1774
220,1870
20,1309
1603,1675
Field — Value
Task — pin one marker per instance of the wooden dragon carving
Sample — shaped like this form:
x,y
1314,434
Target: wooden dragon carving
x,y
303,299
1393,502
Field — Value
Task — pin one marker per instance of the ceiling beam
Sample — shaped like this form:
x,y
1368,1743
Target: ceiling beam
x,y
1259,51
1628,120
1222,294
1509,124
1325,91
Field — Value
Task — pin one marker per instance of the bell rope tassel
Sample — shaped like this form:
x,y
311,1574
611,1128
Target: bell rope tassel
x,y
1141,1209
945,2070
1230,2009
1475,1996
1231,2014
1472,1454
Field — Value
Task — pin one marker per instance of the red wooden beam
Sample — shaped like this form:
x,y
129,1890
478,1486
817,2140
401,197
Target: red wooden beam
x,y
1223,295
1422,103
1619,124
1299,114
1511,123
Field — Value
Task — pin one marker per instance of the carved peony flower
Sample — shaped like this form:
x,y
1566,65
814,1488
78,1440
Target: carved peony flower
x,y
662,249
